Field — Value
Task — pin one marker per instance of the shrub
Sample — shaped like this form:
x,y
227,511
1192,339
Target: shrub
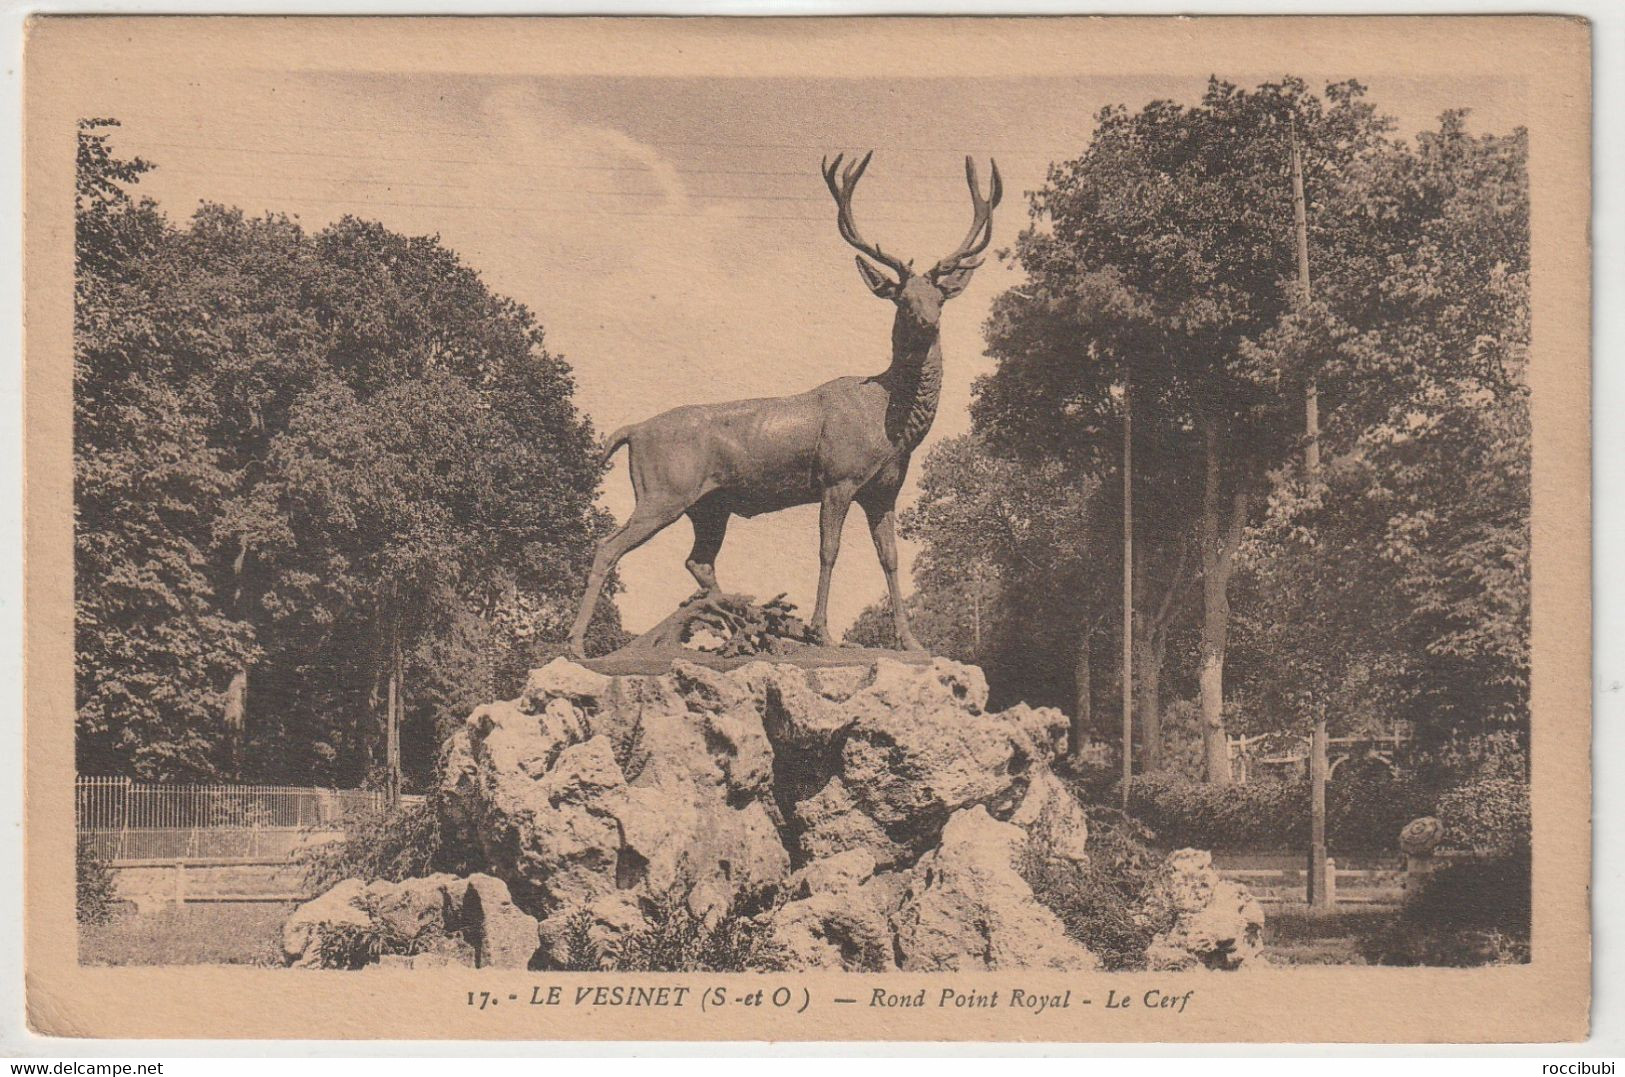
x,y
93,895
1406,943
1364,811
1184,812
390,843
1471,913
1090,784
581,953
1183,752
1472,759
351,946
1490,816
677,940
1099,902
1367,807
1490,893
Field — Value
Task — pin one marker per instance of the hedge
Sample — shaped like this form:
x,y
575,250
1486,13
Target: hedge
x,y
1363,813
1489,816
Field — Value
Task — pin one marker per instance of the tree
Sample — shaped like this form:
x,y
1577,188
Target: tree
x,y
1003,576
1420,596
151,644
1155,256
316,470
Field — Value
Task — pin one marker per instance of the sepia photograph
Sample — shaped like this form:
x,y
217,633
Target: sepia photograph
x,y
947,540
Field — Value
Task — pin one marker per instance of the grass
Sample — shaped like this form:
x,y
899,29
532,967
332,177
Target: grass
x,y
1295,936
237,933
250,934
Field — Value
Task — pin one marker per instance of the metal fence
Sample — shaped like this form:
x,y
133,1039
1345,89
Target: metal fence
x,y
127,820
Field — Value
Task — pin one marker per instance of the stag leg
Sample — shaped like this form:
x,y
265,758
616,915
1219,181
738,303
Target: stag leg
x,y
831,519
883,528
710,525
646,521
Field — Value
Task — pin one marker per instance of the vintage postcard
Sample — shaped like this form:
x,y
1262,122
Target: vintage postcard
x,y
1050,529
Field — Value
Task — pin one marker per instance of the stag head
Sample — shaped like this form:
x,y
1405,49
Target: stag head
x,y
919,296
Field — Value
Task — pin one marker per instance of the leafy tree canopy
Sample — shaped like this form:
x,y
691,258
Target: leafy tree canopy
x,y
293,451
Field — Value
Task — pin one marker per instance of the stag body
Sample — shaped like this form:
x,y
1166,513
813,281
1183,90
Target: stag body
x,y
848,440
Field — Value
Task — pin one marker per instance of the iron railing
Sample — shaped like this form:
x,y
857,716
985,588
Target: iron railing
x,y
128,820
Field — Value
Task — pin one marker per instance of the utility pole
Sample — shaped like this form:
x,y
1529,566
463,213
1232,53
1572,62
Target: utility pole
x,y
1319,884
1128,586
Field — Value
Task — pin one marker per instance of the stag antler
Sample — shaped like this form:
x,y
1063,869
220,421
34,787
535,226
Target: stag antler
x,y
981,229
843,203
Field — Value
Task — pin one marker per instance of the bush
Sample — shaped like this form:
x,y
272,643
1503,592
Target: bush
x,y
1090,784
1471,913
1488,816
677,940
1364,811
351,946
1183,812
1491,893
1100,902
1472,759
1367,807
93,896
393,844
581,952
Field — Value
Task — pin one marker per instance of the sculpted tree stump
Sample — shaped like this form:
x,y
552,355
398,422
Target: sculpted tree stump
x,y
741,626
725,631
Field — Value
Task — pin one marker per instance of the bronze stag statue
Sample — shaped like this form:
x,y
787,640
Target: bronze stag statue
x,y
847,440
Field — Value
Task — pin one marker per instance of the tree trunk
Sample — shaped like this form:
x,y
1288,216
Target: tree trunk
x,y
976,616
1152,656
1215,629
392,740
1219,544
236,702
367,728
1082,712
1149,650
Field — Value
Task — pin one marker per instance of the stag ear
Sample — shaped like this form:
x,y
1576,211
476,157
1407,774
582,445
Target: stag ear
x,y
878,282
955,280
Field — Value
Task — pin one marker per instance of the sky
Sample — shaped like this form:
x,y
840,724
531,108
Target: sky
x,y
673,235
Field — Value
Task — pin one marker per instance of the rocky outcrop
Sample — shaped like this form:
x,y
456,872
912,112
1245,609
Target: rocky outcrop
x,y
589,785
871,817
1210,922
837,916
440,919
324,917
966,907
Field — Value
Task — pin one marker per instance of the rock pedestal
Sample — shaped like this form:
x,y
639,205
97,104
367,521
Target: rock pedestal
x,y
867,816
835,785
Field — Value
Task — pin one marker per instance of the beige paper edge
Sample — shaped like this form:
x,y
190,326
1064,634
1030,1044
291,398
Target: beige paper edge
x,y
1547,1000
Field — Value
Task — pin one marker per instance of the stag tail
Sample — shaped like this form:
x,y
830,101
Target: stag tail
x,y
616,440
